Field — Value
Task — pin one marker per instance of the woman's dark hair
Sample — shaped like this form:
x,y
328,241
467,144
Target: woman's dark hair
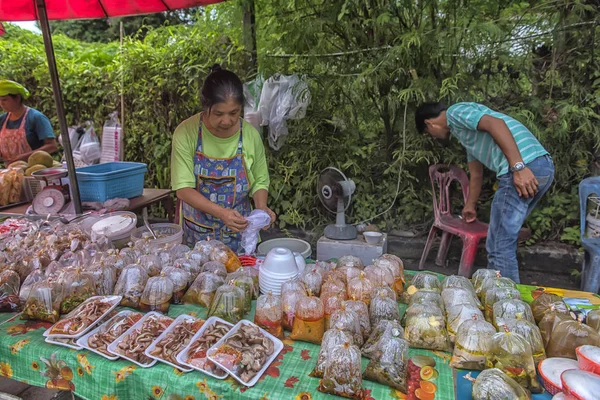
x,y
15,96
221,85
427,111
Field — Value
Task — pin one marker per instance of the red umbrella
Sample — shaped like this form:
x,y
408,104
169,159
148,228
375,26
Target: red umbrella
x,y
42,10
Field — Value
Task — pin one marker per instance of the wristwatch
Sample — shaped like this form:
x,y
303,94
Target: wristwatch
x,y
517,167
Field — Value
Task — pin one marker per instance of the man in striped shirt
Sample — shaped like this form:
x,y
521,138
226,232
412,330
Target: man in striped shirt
x,y
523,168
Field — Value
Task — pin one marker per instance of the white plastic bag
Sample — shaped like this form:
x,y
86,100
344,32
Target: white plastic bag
x,y
89,147
252,91
112,139
257,220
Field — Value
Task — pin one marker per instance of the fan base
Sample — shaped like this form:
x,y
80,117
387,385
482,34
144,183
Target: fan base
x,y
340,232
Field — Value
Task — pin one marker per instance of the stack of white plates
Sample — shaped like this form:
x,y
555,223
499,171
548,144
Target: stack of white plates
x,y
278,267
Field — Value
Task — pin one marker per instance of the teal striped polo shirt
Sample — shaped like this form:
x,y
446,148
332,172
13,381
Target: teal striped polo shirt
x,y
463,119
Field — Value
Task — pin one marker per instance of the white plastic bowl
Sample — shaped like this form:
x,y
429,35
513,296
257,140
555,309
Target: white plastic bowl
x,y
373,237
296,245
280,261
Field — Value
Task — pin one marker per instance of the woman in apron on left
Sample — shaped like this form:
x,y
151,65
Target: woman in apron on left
x,y
218,165
23,130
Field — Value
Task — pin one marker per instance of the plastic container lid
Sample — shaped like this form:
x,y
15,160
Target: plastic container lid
x,y
117,225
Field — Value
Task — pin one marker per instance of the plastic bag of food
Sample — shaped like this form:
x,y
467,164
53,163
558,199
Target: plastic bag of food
x,y
131,284
349,321
498,294
269,314
157,295
361,309
531,333
312,280
226,256
152,264
457,281
203,289
244,282
332,301
206,246
43,302
420,281
427,331
382,307
191,266
380,332
350,261
180,278
347,273
252,273
543,303
342,374
551,319
495,283
567,336
289,298
511,309
480,276
9,291
593,319
33,278
360,288
105,278
333,284
309,320
511,353
456,296
294,284
77,288
228,304
427,296
459,314
379,276
417,309
473,344
384,291
198,257
389,366
332,338
395,265
216,268
52,270
495,384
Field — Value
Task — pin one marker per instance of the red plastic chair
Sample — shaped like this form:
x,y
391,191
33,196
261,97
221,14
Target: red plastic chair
x,y
442,177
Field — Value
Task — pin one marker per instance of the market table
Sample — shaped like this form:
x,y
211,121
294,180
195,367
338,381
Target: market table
x,y
24,354
148,197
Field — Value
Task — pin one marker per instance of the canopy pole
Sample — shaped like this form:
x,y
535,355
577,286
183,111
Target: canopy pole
x,y
60,108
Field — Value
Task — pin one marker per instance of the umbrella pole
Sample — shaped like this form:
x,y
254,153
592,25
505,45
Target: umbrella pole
x,y
60,108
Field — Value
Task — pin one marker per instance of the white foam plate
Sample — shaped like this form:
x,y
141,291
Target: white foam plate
x,y
112,348
277,347
178,320
183,354
49,340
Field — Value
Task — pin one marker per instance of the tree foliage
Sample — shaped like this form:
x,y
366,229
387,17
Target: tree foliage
x,y
368,64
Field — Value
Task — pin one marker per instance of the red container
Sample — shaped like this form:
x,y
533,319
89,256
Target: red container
x,y
550,371
589,358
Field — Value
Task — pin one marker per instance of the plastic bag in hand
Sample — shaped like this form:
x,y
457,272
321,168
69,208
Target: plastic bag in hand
x,y
257,220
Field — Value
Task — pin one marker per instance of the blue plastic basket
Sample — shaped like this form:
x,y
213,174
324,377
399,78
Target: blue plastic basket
x,y
111,180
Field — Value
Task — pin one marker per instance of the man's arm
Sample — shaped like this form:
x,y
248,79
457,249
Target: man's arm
x,y
469,212
524,180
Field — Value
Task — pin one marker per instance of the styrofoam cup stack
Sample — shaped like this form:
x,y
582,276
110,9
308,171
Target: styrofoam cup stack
x,y
278,267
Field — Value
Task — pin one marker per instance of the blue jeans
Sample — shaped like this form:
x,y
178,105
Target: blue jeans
x,y
509,212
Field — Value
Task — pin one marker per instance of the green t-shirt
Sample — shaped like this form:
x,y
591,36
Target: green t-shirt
x,y
185,140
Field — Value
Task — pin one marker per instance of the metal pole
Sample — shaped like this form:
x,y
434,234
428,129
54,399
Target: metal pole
x,y
60,108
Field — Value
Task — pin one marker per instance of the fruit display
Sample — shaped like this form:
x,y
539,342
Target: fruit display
x,y
421,373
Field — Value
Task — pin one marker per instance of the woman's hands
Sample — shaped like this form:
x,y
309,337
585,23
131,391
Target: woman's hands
x,y
271,214
233,219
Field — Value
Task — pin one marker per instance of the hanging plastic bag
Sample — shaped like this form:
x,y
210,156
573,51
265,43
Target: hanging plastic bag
x,y
252,92
309,320
332,338
112,139
257,220
342,374
89,148
473,344
269,314
203,289
495,384
389,366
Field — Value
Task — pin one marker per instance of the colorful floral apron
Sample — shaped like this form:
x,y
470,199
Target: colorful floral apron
x,y
13,142
223,181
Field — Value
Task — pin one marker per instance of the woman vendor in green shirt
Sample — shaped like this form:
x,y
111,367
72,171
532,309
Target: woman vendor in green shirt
x,y
218,163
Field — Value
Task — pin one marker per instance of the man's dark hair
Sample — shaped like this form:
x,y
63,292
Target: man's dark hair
x,y
427,111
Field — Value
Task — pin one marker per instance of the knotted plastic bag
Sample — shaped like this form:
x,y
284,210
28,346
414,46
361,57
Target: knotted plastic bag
x,y
350,261
457,281
215,267
497,294
380,332
309,320
427,331
228,304
567,336
332,301
511,309
131,284
495,384
78,287
494,283
593,319
245,282
349,321
531,333
362,311
551,319
544,302
389,365
395,265
9,291
360,288
379,276
269,314
257,220
459,314
479,277
420,281
382,307
456,296
427,296
342,375
203,289
43,302
312,280
180,278
289,298
384,291
157,295
473,344
332,338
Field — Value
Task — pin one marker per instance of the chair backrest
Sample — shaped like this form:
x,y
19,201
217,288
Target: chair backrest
x,y
442,177
587,187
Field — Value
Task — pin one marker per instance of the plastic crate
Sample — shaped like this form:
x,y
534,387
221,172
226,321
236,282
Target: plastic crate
x,y
112,180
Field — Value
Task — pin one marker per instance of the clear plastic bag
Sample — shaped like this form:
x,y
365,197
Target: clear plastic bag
x,y
269,314
332,338
417,309
593,319
380,332
312,280
216,268
77,287
362,311
43,303
294,284
531,333
347,273
426,296
226,256
382,307
332,301
203,289
384,291
9,291
459,314
567,336
379,276
257,220
360,288
420,281
89,146
427,331
289,298
152,264
350,261
456,296
457,281
395,265
157,295
131,284
333,284
511,309
198,257
309,320
342,374
191,266
349,321
389,366
252,273
180,278
495,384
479,277
246,283
497,294
105,278
511,353
473,344
33,278
544,302
551,319
495,283
206,246
228,304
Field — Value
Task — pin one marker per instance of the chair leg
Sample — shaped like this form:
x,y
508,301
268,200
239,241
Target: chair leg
x,y
428,245
469,252
590,275
443,250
